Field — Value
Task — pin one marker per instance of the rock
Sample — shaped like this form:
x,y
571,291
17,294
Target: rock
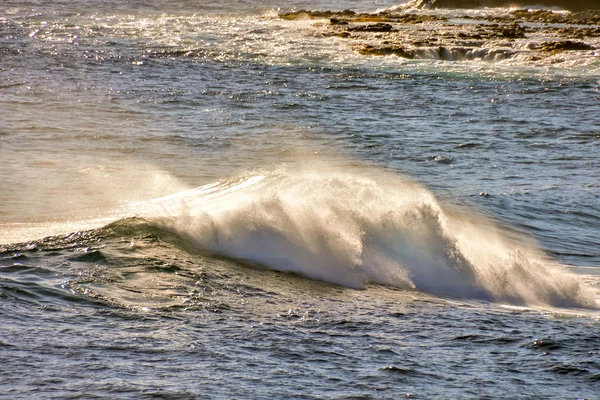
x,y
335,21
513,32
378,27
348,16
591,15
499,38
398,51
546,16
305,14
565,45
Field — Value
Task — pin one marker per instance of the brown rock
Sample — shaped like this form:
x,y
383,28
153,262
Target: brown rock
x,y
565,45
369,50
335,21
378,27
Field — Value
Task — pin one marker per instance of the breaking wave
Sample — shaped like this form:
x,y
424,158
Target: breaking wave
x,y
353,228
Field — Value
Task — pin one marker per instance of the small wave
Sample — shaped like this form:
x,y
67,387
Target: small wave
x,y
403,371
570,370
356,227
546,344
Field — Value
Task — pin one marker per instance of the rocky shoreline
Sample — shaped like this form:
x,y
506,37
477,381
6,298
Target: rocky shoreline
x,y
571,5
532,36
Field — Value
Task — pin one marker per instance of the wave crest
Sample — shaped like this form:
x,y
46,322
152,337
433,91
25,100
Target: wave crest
x,y
357,227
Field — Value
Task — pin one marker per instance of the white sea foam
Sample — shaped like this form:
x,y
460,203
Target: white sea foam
x,y
356,227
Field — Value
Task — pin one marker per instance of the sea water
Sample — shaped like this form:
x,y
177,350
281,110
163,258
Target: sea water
x,y
204,200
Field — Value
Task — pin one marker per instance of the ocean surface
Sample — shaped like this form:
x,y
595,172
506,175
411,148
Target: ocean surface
x,y
205,200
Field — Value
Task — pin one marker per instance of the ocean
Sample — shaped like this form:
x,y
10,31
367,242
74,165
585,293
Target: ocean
x,y
312,199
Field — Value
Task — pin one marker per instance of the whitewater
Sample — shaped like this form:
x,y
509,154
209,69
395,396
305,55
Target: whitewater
x,y
353,228
350,199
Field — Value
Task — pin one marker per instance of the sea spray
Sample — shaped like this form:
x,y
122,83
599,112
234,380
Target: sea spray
x,y
357,226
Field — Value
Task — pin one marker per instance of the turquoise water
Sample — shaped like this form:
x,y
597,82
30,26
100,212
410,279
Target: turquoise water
x,y
206,201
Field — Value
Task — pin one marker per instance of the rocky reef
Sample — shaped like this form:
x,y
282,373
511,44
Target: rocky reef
x,y
536,36
571,5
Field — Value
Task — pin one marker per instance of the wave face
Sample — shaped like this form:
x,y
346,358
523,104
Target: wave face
x,y
357,227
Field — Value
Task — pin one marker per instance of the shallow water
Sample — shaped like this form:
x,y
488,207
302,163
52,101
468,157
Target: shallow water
x,y
209,201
